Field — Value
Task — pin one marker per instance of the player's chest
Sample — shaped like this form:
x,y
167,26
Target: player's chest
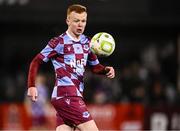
x,y
75,48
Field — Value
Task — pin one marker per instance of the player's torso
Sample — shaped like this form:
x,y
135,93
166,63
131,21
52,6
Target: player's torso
x,y
75,56
72,56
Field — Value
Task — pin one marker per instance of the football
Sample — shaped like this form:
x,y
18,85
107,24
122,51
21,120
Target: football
x,y
102,44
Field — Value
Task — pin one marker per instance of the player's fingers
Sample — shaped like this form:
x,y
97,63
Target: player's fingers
x,y
111,71
108,69
34,98
29,94
111,76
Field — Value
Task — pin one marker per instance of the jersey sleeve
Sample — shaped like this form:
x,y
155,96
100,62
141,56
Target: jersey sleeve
x,y
51,50
94,64
34,66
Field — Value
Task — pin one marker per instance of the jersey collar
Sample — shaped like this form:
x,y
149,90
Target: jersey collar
x,y
75,40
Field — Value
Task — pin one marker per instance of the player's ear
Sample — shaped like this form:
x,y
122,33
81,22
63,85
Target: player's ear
x,y
67,20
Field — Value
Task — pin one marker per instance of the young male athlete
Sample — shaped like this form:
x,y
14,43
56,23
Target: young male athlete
x,y
69,54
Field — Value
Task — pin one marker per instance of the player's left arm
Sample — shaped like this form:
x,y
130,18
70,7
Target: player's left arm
x,y
97,68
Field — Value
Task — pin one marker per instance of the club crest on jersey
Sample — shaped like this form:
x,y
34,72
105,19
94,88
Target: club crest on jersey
x,y
86,47
86,114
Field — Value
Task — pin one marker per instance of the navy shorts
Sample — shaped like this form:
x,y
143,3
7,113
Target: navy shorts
x,y
71,111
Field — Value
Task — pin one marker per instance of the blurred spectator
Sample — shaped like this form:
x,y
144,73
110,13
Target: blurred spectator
x,y
10,91
100,97
171,94
12,87
100,90
157,94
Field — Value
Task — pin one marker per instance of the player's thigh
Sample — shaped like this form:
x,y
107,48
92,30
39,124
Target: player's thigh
x,y
88,126
64,127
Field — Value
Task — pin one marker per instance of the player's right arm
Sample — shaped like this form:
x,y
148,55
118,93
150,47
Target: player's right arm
x,y
50,51
34,66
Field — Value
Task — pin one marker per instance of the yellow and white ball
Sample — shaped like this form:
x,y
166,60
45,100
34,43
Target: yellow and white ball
x,y
102,44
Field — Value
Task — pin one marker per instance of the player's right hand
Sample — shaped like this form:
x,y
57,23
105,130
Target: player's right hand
x,y
32,93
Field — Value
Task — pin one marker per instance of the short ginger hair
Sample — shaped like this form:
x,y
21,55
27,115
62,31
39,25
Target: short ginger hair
x,y
76,8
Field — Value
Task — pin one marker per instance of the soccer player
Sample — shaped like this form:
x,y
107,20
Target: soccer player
x,y
69,54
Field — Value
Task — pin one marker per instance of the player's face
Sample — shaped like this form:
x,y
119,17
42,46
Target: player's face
x,y
76,23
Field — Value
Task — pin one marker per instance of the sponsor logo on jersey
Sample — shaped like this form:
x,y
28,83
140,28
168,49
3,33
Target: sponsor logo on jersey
x,y
77,63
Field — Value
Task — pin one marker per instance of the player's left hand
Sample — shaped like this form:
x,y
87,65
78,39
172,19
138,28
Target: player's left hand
x,y
110,72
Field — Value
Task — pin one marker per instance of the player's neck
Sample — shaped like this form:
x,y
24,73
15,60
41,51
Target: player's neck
x,y
72,36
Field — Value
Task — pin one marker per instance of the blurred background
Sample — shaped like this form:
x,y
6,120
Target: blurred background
x,y
144,95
